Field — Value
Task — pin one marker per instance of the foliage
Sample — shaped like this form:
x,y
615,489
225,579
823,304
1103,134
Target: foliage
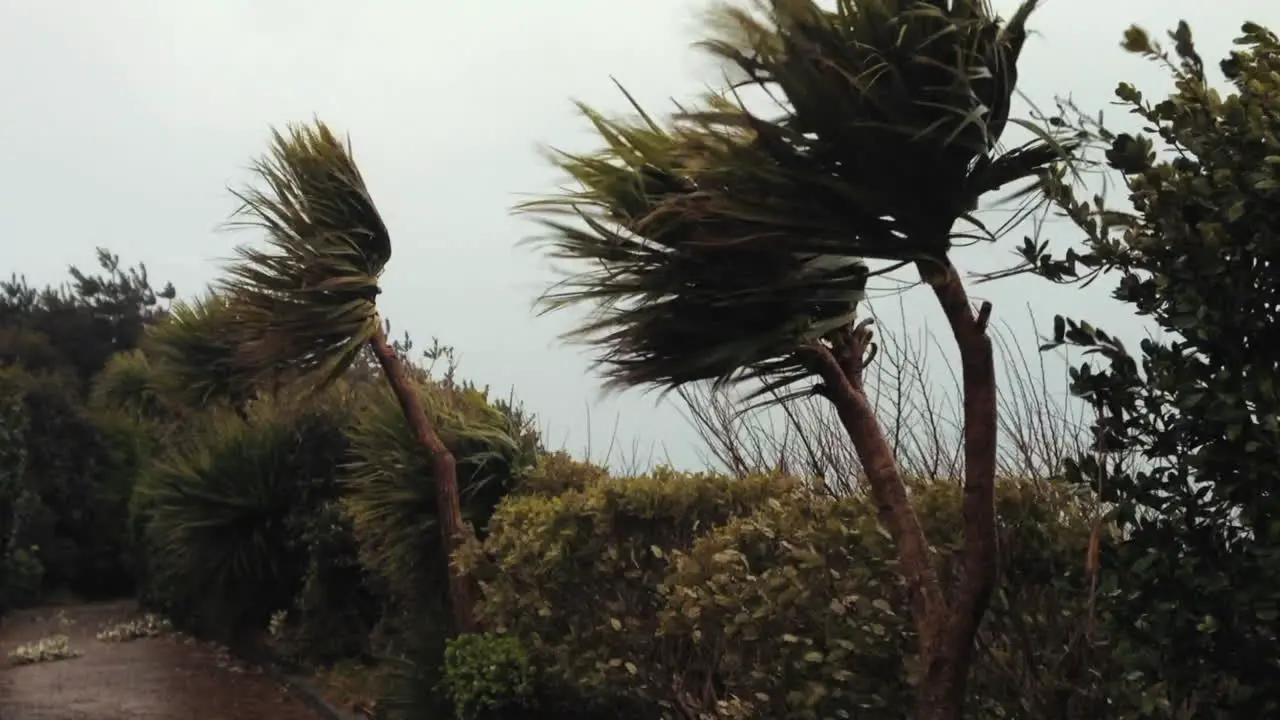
x,y
1192,592
717,245
306,304
23,578
487,676
697,594
335,608
53,341
87,320
390,492
126,383
559,472
194,352
224,507
575,576
147,625
13,461
77,517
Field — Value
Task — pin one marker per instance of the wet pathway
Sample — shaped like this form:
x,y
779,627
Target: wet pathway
x,y
146,679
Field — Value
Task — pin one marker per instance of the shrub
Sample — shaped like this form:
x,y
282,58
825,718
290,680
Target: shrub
x,y
695,595
223,513
62,449
335,609
13,461
577,576
558,472
487,676
789,609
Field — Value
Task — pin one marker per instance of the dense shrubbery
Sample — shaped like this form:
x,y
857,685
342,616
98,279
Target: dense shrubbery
x,y
231,506
693,591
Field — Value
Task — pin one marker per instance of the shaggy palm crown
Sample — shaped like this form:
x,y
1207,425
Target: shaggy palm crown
x,y
305,302
712,247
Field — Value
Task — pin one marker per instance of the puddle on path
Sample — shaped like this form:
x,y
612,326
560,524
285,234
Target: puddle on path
x,y
145,679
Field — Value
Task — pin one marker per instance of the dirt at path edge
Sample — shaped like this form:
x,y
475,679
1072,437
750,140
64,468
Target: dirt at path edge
x,y
170,678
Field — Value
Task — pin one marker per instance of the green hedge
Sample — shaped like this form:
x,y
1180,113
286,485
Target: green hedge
x,y
689,593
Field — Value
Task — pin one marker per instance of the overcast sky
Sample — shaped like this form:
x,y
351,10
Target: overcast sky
x,y
122,122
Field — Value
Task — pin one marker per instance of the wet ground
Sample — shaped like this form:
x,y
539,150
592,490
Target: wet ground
x,y
165,678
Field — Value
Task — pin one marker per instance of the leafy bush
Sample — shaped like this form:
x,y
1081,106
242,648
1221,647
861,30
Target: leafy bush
x,y
577,576
487,676
335,609
559,472
225,509
790,609
694,594
74,502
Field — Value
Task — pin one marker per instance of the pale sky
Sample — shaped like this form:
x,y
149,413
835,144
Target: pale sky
x,y
122,123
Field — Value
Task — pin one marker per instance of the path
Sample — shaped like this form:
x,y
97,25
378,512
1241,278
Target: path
x,y
145,679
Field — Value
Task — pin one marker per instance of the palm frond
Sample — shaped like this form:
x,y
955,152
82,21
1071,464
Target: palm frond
x,y
126,382
307,300
716,244
195,354
391,492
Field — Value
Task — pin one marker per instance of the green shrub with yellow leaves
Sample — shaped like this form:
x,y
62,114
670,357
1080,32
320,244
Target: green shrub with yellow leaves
x,y
698,595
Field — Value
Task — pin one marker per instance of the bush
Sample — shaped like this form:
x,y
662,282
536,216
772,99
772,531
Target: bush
x,y
223,514
792,609
75,476
577,576
487,676
558,472
335,609
697,595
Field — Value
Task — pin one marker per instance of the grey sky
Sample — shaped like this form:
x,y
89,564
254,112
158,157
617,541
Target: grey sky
x,y
123,122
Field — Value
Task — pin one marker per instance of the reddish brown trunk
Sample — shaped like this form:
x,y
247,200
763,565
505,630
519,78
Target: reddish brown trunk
x,y
444,468
947,628
843,383
942,694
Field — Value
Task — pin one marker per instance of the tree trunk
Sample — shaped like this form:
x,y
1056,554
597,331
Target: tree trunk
x,y
842,378
946,628
943,693
445,471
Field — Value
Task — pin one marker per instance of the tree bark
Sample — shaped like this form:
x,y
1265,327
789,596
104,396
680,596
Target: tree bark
x,y
946,627
943,692
842,379
445,471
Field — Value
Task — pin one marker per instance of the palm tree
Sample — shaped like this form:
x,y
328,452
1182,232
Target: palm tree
x,y
731,246
305,305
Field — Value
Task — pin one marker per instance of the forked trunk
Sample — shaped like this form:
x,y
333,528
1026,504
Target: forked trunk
x,y
946,628
445,471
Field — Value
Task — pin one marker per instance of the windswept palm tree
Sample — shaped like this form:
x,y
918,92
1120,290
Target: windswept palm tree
x,y
305,303
733,246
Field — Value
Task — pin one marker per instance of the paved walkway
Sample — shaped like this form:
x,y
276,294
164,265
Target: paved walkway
x,y
145,679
